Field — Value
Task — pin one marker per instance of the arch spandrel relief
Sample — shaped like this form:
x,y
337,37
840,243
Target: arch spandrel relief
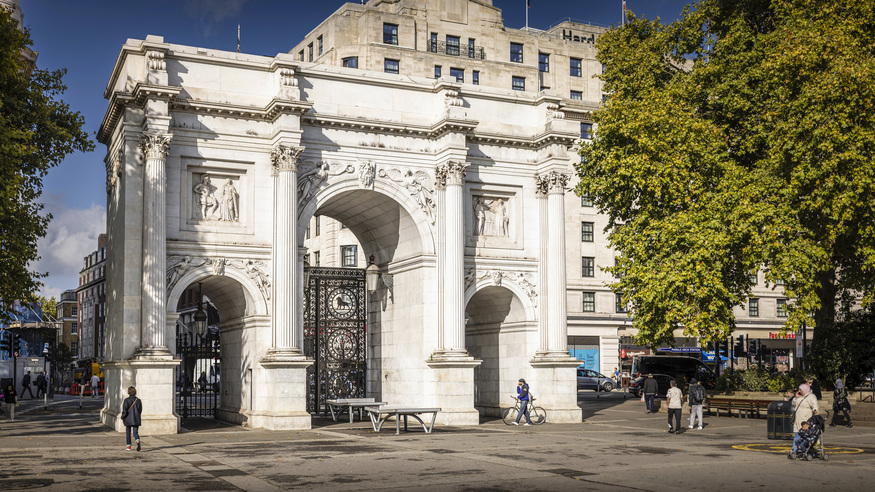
x,y
258,271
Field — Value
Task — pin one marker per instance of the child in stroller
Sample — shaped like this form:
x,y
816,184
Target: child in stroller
x,y
808,443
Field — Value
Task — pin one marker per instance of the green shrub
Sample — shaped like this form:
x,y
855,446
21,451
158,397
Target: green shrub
x,y
755,380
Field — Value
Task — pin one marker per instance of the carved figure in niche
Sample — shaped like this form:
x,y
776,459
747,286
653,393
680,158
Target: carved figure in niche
x,y
206,198
230,201
502,220
480,208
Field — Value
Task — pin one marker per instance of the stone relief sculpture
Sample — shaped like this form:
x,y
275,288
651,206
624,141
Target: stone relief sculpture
x,y
256,270
522,279
491,216
414,183
224,207
311,180
367,172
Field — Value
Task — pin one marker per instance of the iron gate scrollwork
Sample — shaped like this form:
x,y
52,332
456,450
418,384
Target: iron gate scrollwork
x,y
335,325
197,394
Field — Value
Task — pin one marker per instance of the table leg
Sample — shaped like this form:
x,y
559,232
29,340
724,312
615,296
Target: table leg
x,y
405,423
331,409
433,418
351,413
398,424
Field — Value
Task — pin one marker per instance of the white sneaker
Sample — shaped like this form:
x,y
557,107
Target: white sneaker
x,y
690,427
527,424
700,427
515,423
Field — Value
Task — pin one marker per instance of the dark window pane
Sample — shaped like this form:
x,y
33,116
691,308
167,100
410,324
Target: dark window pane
x,y
586,232
516,52
390,66
576,67
589,302
543,62
390,34
453,45
518,83
458,74
588,264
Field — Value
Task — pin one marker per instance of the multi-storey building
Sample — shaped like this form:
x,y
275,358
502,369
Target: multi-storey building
x,y
92,303
68,318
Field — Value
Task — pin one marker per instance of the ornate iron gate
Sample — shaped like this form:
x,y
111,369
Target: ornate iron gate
x,y
197,393
335,323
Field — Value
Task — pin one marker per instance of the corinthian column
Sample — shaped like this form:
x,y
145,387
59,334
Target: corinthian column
x,y
452,176
557,319
284,320
153,303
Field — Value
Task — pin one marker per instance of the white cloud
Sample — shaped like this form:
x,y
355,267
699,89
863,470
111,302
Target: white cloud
x,y
71,235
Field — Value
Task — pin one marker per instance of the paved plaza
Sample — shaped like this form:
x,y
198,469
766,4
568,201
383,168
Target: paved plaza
x,y
618,447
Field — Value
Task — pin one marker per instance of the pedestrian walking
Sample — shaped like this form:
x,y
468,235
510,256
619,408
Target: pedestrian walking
x,y
132,409
675,400
804,406
10,396
696,398
25,383
617,377
202,382
840,403
523,395
95,386
650,388
41,385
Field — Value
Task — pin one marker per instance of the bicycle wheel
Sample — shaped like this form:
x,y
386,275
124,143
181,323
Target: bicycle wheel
x,y
509,415
538,415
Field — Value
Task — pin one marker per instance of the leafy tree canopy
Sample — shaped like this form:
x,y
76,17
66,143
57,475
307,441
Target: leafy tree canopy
x,y
37,131
739,137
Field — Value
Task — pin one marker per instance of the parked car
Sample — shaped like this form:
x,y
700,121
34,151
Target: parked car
x,y
588,379
663,382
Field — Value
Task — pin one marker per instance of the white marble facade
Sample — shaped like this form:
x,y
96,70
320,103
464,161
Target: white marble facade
x,y
217,162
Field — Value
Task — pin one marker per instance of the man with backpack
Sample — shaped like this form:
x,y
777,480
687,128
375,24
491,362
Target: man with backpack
x,y
696,398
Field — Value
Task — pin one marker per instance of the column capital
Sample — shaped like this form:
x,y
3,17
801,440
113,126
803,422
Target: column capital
x,y
550,183
155,145
453,172
286,158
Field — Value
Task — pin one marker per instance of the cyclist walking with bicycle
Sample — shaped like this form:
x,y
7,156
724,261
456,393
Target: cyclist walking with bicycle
x,y
522,391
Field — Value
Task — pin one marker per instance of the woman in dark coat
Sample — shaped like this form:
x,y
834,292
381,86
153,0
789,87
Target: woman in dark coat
x,y
132,408
10,396
840,403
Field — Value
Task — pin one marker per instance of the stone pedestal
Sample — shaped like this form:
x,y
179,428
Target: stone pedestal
x,y
453,390
281,396
153,378
554,384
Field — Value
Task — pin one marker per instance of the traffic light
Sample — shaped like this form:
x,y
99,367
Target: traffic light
x,y
739,345
752,346
4,344
16,343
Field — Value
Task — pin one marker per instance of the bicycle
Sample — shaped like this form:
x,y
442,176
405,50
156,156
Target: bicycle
x,y
537,414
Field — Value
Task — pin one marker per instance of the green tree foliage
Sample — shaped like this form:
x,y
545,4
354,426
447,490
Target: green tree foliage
x,y
36,132
848,353
50,307
737,138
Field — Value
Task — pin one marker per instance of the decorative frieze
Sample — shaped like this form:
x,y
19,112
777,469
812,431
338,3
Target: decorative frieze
x,y
256,270
415,184
314,176
524,281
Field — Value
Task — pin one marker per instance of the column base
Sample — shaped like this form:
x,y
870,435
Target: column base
x,y
453,388
152,376
280,420
281,392
555,386
153,353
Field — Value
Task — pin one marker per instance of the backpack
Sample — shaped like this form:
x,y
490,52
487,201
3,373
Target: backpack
x,y
698,393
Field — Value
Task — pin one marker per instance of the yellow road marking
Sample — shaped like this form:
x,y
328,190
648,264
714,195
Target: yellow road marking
x,y
785,448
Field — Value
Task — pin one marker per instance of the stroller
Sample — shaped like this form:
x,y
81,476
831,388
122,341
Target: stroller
x,y
812,446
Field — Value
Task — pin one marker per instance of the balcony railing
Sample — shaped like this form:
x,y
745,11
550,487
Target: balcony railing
x,y
476,52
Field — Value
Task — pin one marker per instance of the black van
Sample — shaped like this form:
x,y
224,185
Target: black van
x,y
675,367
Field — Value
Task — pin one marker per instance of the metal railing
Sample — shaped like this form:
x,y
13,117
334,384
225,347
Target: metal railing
x,y
476,52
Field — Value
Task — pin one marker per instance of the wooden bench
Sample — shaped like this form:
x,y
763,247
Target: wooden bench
x,y
745,407
350,404
379,415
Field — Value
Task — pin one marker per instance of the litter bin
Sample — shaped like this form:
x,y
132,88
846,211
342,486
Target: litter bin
x,y
779,418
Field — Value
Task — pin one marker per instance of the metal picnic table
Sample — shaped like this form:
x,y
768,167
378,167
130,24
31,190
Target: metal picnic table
x,y
351,404
379,415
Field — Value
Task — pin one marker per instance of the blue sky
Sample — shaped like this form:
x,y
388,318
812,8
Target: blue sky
x,y
85,38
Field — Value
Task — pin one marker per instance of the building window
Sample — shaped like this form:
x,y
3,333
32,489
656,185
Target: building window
x,y
782,308
586,131
390,34
348,256
753,307
543,62
317,226
588,266
576,67
586,232
316,258
74,328
753,277
307,233
471,48
437,71
74,310
351,62
585,201
779,281
458,74
310,52
516,52
617,274
577,95
452,45
390,66
589,302
432,44
74,349
475,77
301,55
321,45
621,306
518,83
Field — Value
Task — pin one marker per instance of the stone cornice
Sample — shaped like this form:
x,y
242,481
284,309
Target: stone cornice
x,y
120,100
